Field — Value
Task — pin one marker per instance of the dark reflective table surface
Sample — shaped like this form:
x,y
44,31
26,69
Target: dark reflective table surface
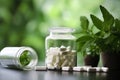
x,y
10,74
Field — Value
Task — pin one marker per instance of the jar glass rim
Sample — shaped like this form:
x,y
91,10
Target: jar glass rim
x,y
62,30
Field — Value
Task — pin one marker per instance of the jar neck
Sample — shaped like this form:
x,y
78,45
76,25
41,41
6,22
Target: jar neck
x,y
53,33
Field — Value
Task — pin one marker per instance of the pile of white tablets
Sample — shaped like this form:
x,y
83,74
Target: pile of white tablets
x,y
75,69
57,57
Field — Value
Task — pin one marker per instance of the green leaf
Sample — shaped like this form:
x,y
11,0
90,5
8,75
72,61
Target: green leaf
x,y
84,38
108,19
84,22
97,22
25,58
106,15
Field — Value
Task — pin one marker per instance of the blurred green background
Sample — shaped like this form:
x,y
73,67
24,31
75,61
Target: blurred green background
x,y
26,22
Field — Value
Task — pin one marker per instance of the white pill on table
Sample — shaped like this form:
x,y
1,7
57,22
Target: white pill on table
x,y
78,68
66,68
104,69
99,69
91,69
40,68
86,67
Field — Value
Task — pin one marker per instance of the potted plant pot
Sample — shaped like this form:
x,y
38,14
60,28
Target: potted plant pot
x,y
91,60
111,60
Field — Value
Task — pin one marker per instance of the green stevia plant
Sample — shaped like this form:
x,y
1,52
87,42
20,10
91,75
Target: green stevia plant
x,y
86,43
104,35
108,37
25,58
86,40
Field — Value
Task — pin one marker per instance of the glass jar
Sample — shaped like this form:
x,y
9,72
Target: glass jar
x,y
18,57
60,48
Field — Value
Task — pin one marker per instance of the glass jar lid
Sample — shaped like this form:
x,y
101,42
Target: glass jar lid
x,y
61,30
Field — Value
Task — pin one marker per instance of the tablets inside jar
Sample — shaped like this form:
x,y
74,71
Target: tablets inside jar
x,y
57,57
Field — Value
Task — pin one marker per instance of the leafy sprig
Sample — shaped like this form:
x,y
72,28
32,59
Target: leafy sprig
x,y
86,42
106,38
25,58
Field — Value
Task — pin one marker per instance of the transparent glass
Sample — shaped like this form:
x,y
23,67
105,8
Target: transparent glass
x,y
18,57
60,48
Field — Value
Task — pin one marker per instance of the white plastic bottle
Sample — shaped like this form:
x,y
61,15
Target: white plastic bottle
x,y
18,57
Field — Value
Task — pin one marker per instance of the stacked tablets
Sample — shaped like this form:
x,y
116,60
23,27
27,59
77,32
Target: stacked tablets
x,y
75,69
60,57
